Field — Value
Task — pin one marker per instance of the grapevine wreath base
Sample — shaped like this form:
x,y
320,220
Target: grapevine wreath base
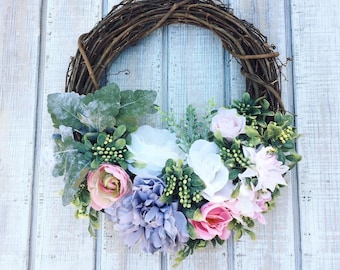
x,y
130,21
180,188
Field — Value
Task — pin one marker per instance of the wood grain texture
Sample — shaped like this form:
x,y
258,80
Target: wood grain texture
x,y
316,32
195,74
138,67
59,240
275,243
185,65
19,53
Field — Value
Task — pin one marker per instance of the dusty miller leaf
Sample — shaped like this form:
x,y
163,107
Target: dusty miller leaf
x,y
64,108
135,104
69,163
100,108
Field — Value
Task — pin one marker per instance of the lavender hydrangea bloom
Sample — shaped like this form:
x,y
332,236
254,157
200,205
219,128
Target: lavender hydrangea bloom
x,y
141,215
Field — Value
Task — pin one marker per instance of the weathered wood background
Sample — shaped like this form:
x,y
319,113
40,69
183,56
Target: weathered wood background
x,y
185,65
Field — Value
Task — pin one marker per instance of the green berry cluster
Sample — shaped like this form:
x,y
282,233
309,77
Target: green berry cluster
x,y
234,157
107,153
182,184
286,134
243,108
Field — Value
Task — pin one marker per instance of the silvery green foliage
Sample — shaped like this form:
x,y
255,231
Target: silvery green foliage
x,y
84,120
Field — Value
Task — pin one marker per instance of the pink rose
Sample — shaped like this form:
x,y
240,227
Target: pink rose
x,y
107,185
228,123
214,221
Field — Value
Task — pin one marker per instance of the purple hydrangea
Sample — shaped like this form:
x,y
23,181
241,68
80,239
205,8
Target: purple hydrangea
x,y
142,216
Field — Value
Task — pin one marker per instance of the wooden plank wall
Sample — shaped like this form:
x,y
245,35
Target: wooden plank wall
x,y
184,64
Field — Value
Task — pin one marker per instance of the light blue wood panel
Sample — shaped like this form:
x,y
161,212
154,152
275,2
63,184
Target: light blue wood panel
x,y
19,60
316,40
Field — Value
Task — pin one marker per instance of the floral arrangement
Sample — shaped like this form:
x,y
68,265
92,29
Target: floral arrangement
x,y
174,189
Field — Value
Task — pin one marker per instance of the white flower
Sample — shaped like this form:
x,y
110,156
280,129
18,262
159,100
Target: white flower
x,y
227,123
151,148
265,167
204,159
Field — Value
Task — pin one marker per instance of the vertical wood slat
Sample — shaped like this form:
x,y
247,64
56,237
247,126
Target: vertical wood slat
x,y
138,67
59,241
274,246
196,75
19,47
316,32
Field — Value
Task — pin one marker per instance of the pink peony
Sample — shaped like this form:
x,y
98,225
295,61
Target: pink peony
x,y
249,203
228,123
107,185
214,221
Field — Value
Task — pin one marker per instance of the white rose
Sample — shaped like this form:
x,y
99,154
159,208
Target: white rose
x,y
228,123
204,159
151,148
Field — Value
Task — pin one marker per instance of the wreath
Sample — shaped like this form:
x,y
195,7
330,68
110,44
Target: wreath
x,y
199,180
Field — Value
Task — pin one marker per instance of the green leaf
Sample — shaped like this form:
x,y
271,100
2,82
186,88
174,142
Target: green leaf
x,y
218,136
70,163
265,104
95,164
119,131
108,97
294,157
95,119
246,98
273,131
135,104
101,107
197,215
238,234
64,109
197,182
82,176
120,143
87,143
191,231
281,156
101,138
189,213
251,132
250,233
289,144
236,191
219,240
233,174
278,118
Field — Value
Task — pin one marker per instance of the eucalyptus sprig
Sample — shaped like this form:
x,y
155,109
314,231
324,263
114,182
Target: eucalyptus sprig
x,y
191,127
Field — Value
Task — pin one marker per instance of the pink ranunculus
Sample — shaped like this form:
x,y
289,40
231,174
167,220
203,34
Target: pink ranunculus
x,y
228,123
214,221
107,185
